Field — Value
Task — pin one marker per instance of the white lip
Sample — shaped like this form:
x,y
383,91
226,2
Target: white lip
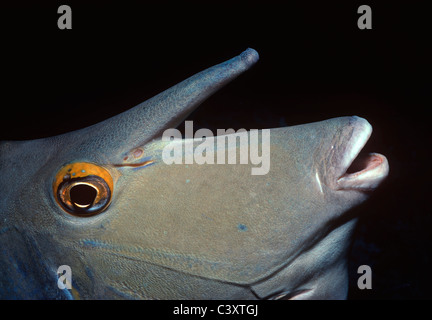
x,y
374,165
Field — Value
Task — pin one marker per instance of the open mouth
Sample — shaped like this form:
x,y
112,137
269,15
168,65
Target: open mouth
x,y
361,171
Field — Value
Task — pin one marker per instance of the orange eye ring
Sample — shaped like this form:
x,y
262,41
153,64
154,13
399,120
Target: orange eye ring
x,y
83,189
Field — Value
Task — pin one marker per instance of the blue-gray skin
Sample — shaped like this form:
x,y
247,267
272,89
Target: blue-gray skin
x,y
209,231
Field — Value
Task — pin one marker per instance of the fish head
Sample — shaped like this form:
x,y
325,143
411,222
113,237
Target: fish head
x,y
104,201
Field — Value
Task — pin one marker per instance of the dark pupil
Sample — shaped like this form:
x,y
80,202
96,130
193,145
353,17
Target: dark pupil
x,y
82,194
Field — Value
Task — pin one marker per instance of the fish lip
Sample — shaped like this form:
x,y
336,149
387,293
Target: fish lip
x,y
375,166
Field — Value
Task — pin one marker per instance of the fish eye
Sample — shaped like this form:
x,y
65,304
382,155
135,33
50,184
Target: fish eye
x,y
83,189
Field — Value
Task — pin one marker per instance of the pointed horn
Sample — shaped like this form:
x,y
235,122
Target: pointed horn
x,y
171,107
168,109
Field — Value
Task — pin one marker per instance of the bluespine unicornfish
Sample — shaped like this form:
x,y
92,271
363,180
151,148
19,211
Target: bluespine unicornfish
x,y
105,202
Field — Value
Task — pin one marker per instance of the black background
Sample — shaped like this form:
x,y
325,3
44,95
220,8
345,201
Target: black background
x,y
314,64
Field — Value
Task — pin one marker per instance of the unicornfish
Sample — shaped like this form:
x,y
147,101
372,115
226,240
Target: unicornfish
x,y
129,212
